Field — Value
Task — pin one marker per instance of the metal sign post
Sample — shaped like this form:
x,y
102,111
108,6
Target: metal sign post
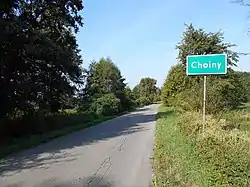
x,y
204,104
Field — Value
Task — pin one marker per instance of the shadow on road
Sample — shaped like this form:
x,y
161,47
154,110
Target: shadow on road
x,y
87,182
54,152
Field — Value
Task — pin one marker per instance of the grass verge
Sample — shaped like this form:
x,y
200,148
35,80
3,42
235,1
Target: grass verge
x,y
186,157
239,118
175,163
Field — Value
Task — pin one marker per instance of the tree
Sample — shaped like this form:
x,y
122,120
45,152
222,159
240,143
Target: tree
x,y
242,2
103,77
175,83
245,79
87,93
157,96
107,104
147,87
145,91
136,91
127,99
223,92
198,42
40,61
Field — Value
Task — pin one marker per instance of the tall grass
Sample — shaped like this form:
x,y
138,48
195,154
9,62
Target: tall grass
x,y
175,163
185,156
239,118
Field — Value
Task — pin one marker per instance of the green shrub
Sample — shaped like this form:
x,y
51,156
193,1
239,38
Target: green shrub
x,y
223,92
39,123
245,76
229,155
239,118
142,101
222,148
157,98
106,105
126,101
174,83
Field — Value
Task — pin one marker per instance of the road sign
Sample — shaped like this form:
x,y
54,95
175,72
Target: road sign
x,y
206,64
213,64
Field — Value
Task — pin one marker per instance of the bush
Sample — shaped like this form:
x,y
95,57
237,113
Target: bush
x,y
142,101
126,101
224,149
39,123
245,76
157,98
223,92
106,105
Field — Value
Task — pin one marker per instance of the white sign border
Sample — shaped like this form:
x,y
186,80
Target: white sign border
x,y
206,73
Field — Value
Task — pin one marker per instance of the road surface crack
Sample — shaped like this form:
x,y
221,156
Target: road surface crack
x,y
106,163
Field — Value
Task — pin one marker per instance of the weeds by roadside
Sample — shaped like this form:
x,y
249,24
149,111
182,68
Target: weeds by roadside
x,y
184,156
239,118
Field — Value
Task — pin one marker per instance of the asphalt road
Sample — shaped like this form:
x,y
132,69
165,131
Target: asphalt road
x,y
115,153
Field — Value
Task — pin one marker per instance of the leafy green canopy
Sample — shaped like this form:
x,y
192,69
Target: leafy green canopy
x,y
199,42
108,104
40,59
223,92
103,77
245,78
146,91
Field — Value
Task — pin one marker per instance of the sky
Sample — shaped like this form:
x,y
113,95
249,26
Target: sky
x,y
140,35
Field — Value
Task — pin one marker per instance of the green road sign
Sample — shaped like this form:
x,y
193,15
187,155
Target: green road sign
x,y
206,64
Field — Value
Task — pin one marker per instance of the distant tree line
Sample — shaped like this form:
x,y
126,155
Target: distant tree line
x,y
105,91
41,72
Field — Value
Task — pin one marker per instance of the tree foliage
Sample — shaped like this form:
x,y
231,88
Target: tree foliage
x,y
39,55
103,77
108,104
223,92
146,91
245,79
41,72
175,83
199,42
147,87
